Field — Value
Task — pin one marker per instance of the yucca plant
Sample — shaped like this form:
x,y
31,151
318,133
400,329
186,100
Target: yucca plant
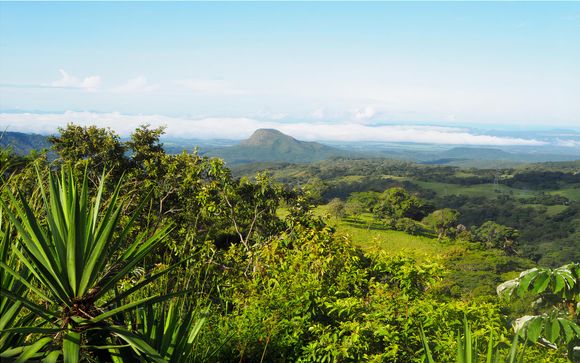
x,y
76,255
172,330
10,311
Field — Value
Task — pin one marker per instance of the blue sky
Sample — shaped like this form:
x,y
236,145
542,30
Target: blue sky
x,y
232,66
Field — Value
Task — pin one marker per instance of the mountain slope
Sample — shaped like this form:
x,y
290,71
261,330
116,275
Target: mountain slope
x,y
272,145
22,143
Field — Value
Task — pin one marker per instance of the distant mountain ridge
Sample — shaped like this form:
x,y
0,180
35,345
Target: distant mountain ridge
x,y
491,157
273,146
266,145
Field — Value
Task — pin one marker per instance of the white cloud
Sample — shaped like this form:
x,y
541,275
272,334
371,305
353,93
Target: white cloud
x,y
90,83
239,128
66,80
364,114
210,86
399,133
136,85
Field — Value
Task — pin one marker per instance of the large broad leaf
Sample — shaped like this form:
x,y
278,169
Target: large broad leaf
x,y
542,282
570,330
525,279
552,330
560,283
534,328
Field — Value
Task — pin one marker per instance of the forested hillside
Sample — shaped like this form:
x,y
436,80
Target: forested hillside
x,y
119,252
541,201
22,143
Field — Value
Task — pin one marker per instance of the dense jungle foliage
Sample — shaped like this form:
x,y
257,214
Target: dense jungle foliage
x,y
119,252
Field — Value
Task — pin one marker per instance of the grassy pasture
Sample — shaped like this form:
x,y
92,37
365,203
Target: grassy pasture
x,y
478,190
370,238
371,235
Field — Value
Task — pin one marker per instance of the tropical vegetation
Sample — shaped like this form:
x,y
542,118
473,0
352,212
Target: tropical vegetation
x,y
116,251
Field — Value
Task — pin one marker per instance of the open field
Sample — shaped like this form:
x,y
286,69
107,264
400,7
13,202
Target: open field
x,y
370,238
478,190
370,235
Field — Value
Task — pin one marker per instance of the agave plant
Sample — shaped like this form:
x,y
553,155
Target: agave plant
x,y
11,312
172,331
73,259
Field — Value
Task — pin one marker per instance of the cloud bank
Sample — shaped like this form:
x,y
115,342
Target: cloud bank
x,y
240,128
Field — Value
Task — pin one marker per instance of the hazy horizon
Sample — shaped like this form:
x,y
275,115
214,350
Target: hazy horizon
x,y
442,73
